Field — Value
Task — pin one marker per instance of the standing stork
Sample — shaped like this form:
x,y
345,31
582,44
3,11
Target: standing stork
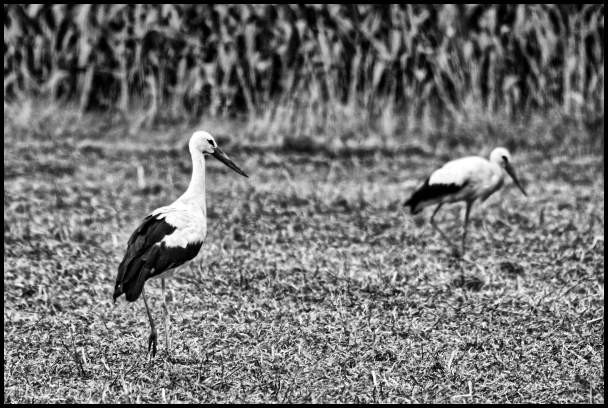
x,y
466,179
170,235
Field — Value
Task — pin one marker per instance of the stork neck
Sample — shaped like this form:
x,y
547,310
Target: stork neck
x,y
499,173
499,169
196,188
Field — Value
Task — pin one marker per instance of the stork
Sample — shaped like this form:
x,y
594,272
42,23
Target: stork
x,y
466,179
169,236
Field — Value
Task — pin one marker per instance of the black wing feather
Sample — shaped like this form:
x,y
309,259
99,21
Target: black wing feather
x,y
428,192
137,263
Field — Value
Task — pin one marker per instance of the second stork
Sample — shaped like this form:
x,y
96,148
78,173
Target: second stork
x,y
466,179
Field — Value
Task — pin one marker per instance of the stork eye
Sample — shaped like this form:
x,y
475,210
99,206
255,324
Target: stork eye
x,y
211,142
505,159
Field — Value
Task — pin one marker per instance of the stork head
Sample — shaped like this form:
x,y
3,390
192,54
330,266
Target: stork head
x,y
203,142
502,157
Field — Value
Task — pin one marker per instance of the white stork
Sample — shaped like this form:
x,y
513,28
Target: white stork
x,y
466,179
171,235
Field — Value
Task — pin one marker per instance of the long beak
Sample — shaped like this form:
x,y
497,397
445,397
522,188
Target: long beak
x,y
511,172
221,156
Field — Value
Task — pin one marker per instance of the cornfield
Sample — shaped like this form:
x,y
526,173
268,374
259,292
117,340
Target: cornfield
x,y
188,60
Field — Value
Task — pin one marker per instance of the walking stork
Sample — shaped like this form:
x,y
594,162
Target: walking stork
x,y
466,179
170,235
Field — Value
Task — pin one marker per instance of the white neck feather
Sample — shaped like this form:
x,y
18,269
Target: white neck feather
x,y
196,188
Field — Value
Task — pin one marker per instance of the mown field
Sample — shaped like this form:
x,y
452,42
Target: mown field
x,y
314,284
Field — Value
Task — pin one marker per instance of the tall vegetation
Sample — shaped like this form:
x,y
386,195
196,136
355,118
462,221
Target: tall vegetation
x,y
310,61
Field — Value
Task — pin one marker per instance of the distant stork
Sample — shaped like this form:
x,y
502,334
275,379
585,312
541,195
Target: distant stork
x,y
466,179
170,235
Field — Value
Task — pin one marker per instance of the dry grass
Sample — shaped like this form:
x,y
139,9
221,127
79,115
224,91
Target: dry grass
x,y
313,285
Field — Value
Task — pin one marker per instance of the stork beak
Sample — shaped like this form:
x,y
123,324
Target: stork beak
x,y
511,172
221,156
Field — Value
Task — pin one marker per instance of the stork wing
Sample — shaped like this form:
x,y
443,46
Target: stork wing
x,y
149,232
429,192
165,239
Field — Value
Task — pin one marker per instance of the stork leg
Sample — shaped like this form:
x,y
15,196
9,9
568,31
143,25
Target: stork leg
x,y
166,321
443,235
466,224
153,339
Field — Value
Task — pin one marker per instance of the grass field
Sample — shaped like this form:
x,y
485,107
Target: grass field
x,y
314,284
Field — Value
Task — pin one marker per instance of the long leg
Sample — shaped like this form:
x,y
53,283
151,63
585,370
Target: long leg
x,y
153,339
166,319
466,224
443,235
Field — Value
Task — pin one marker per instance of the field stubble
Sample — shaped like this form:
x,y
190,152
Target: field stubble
x,y
314,285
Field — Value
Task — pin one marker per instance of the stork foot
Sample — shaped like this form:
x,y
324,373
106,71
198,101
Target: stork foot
x,y
152,343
